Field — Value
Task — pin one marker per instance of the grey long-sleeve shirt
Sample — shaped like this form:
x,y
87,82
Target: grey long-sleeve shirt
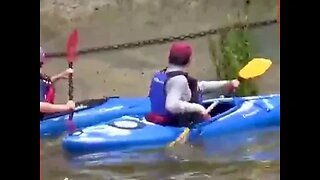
x,y
179,93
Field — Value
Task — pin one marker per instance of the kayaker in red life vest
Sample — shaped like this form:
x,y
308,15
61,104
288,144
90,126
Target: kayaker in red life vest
x,y
175,96
47,91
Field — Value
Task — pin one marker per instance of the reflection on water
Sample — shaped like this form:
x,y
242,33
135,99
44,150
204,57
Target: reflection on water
x,y
257,145
248,155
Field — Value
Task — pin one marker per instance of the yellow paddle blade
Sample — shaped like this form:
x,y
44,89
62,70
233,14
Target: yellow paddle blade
x,y
182,138
254,68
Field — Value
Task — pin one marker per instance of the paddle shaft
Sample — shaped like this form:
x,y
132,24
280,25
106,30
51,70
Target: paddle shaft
x,y
70,83
71,57
183,135
213,105
70,89
208,110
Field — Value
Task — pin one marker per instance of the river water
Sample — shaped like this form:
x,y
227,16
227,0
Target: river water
x,y
254,155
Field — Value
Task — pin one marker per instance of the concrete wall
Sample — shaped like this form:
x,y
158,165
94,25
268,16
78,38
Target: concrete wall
x,y
128,72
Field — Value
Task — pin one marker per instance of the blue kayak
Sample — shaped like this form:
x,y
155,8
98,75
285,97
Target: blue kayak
x,y
231,115
95,113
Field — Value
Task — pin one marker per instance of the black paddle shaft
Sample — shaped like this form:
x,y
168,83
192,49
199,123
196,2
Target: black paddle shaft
x,y
71,89
70,83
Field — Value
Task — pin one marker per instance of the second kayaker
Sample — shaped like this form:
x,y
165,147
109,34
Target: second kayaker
x,y
175,96
47,91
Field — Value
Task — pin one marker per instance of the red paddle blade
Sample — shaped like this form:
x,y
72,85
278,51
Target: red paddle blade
x,y
72,46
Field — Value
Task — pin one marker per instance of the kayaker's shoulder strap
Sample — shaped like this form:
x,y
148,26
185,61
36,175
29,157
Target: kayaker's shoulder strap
x,y
176,73
171,75
191,80
193,85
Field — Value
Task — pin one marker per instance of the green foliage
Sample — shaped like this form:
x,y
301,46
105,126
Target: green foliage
x,y
235,52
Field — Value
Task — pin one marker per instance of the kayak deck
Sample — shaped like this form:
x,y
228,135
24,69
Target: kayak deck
x,y
134,132
101,112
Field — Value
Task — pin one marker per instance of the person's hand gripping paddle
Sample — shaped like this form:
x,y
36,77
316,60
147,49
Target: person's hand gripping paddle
x,y
256,67
71,58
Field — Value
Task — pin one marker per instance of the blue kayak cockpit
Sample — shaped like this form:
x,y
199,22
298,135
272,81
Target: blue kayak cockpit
x,y
220,108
